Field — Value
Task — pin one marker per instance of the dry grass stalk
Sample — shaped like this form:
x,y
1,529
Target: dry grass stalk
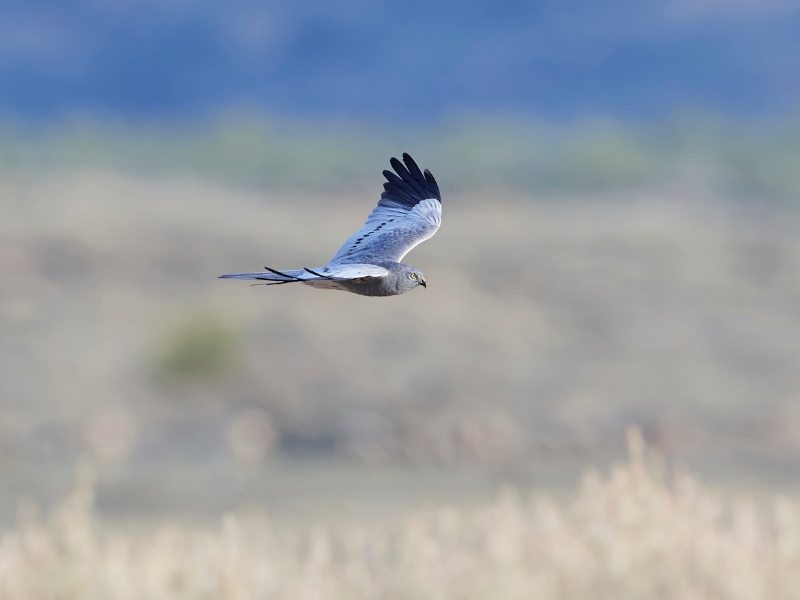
x,y
627,535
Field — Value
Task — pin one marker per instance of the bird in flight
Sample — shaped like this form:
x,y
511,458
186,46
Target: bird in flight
x,y
368,263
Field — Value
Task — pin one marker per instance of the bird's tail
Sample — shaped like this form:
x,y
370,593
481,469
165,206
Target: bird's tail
x,y
272,275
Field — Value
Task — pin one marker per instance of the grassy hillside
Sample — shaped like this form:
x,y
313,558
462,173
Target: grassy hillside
x,y
755,161
546,328
553,319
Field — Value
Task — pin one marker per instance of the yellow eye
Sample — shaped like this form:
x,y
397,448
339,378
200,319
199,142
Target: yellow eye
x,y
413,276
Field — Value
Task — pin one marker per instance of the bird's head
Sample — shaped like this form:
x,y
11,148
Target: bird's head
x,y
410,278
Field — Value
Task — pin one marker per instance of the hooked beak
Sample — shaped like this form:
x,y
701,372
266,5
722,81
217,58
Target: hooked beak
x,y
422,283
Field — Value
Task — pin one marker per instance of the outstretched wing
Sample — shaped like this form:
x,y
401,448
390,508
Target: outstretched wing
x,y
408,213
329,276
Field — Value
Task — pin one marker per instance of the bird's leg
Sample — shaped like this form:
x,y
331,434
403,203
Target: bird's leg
x,y
289,277
318,274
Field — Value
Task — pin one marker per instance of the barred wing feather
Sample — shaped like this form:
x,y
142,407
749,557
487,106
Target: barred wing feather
x,y
408,213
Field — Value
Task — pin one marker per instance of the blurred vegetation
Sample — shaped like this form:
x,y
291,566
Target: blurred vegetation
x,y
675,313
199,349
632,534
666,308
736,159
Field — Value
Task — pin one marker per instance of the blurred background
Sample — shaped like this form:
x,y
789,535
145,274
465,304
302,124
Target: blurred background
x,y
620,181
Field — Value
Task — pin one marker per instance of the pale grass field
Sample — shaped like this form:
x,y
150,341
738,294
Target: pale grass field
x,y
632,533
548,325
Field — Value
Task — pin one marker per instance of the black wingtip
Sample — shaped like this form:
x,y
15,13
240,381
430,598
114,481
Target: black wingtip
x,y
409,186
432,184
409,161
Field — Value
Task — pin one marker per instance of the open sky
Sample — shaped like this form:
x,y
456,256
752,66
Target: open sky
x,y
549,59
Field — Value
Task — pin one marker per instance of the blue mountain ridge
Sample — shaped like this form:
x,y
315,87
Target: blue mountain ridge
x,y
411,60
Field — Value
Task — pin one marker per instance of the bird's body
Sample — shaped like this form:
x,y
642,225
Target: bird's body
x,y
368,263
398,281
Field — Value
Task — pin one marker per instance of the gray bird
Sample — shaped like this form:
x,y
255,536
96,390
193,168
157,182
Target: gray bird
x,y
368,263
